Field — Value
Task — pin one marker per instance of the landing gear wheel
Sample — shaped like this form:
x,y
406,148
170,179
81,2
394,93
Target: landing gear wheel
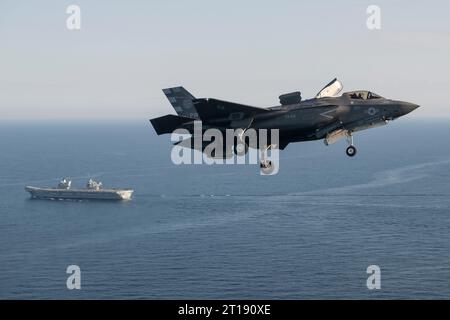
x,y
267,167
240,149
351,151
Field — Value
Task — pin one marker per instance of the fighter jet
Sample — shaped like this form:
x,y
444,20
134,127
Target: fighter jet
x,y
326,116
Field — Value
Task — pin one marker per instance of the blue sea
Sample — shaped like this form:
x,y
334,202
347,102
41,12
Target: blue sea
x,y
226,232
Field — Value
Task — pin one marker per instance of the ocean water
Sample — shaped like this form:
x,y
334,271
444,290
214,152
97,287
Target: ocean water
x,y
219,232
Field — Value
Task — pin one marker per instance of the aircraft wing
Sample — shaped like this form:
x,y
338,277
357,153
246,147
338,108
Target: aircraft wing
x,y
218,111
189,143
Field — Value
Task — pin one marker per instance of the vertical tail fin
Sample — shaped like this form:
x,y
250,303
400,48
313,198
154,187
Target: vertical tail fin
x,y
181,100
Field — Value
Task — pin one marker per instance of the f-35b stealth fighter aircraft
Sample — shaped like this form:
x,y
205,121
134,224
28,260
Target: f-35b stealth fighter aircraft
x,y
326,116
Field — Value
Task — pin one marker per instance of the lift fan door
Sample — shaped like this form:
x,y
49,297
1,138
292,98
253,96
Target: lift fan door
x,y
330,90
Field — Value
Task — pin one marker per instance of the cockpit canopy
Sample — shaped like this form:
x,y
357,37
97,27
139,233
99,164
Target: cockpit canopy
x,y
362,95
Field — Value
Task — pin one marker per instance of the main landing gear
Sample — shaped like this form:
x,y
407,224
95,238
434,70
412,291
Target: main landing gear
x,y
240,147
267,166
351,150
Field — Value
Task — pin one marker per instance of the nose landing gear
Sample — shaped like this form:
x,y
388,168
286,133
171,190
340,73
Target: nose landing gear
x,y
351,150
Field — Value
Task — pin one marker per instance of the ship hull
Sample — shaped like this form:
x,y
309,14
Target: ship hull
x,y
112,194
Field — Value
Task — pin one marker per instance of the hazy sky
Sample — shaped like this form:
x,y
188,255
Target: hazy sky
x,y
243,51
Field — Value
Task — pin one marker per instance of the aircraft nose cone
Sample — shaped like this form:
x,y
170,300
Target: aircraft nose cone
x,y
409,107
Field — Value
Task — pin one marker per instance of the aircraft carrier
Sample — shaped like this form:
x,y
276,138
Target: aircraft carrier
x,y
93,191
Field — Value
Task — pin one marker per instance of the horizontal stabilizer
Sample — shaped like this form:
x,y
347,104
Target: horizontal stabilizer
x,y
169,123
216,111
